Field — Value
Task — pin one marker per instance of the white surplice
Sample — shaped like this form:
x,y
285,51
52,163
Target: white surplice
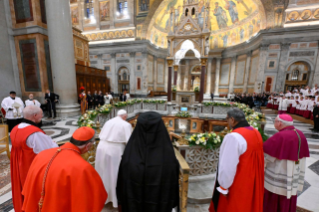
x,y
30,102
113,138
38,141
7,103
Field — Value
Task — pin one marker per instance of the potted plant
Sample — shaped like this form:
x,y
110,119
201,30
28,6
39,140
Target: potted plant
x,y
174,93
196,90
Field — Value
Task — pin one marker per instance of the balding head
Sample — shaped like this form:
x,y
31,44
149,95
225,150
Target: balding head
x,y
33,113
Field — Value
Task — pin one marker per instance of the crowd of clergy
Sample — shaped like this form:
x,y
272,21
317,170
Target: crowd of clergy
x,y
137,171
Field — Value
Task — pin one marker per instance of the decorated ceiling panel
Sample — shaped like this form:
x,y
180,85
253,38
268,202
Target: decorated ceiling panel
x,y
231,22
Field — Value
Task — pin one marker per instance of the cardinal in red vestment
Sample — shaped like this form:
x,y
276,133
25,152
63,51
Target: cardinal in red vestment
x,y
27,141
240,174
61,180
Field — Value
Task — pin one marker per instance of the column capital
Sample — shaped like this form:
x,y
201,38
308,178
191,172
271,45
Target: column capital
x,y
170,62
285,46
264,46
203,61
132,54
249,53
175,67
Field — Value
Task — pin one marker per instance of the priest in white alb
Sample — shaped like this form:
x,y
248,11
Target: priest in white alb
x,y
113,139
13,107
32,101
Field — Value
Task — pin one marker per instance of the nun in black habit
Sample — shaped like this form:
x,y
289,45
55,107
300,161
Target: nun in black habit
x,y
149,170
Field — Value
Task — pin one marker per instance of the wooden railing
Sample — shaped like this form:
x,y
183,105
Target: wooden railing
x,y
183,180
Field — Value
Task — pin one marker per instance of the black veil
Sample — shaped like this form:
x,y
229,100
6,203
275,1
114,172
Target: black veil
x,y
149,171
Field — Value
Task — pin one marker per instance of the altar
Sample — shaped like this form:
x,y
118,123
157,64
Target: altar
x,y
185,98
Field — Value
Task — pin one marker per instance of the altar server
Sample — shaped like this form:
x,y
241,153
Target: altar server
x,y
240,175
288,94
27,140
293,104
149,171
113,138
285,164
308,111
303,107
270,102
60,180
283,104
298,106
314,90
32,101
276,102
13,107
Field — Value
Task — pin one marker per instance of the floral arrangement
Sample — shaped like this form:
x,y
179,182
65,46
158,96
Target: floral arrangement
x,y
196,89
224,104
85,121
205,140
105,109
154,101
174,88
130,102
120,104
183,114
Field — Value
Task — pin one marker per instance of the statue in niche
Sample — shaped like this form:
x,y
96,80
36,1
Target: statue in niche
x,y
144,5
232,9
221,16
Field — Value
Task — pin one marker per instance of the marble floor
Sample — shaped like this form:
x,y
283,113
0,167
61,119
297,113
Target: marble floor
x,y
62,130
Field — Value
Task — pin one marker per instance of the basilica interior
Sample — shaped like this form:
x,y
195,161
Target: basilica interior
x,y
182,51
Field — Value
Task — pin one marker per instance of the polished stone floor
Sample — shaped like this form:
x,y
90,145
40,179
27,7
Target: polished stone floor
x,y
61,130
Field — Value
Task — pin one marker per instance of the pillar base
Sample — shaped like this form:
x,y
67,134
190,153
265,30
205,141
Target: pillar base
x,y
64,111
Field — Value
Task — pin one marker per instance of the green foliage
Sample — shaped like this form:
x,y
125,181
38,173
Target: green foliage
x,y
183,114
196,89
120,104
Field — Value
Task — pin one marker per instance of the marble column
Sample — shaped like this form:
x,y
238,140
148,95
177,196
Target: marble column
x,y
97,14
186,75
145,74
154,73
166,75
209,77
169,86
179,78
132,73
263,51
216,92
315,78
114,83
248,64
281,74
175,74
232,74
130,5
62,56
100,61
202,80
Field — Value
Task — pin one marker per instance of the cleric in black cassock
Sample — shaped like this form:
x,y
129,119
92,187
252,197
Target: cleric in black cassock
x,y
148,173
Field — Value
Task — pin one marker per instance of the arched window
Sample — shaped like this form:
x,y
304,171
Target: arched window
x,y
124,76
89,8
295,75
186,12
122,9
193,11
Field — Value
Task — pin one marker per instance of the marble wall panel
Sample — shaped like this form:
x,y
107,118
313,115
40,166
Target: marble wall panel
x,y
224,75
240,72
160,73
253,69
150,71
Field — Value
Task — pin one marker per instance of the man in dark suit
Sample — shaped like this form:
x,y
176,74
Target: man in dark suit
x,y
95,99
212,96
123,96
101,98
89,100
50,100
315,117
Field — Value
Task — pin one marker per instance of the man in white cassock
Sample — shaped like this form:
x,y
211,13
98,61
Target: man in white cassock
x,y
113,139
32,101
13,107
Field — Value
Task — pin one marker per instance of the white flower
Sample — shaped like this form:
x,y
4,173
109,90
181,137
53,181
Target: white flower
x,y
204,143
197,142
